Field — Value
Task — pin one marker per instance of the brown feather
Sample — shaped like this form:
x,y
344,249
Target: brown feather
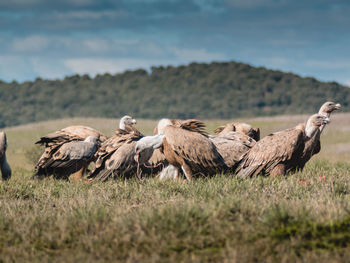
x,y
281,147
232,146
187,146
116,156
194,126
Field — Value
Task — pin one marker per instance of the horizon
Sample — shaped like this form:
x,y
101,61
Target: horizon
x,y
39,38
149,71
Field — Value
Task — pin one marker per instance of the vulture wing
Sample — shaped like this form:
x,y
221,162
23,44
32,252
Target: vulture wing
x,y
276,148
232,146
70,133
115,154
190,143
69,158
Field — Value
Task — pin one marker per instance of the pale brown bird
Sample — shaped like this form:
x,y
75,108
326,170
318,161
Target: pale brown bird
x,y
53,141
115,157
188,148
5,167
279,152
232,146
68,159
240,127
313,146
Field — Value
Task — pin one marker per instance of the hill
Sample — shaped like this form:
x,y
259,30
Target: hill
x,y
216,90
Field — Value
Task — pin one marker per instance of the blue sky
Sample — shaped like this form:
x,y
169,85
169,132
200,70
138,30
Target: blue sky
x,y
52,39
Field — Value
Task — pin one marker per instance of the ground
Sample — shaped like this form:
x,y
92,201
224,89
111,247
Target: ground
x,y
301,218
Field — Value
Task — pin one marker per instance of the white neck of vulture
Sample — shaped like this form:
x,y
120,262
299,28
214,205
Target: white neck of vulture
x,y
323,113
122,125
157,141
310,129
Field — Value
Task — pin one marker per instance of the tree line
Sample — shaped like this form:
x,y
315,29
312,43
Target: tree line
x,y
198,90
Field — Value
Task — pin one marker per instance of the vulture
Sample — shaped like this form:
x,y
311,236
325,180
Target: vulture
x,y
53,141
279,152
232,146
158,162
115,157
240,127
187,147
5,167
233,140
68,159
313,146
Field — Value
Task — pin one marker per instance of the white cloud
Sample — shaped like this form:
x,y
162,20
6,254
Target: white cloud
x,y
97,45
30,44
188,55
87,15
247,4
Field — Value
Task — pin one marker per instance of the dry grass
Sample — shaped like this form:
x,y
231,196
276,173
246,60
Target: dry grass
x,y
301,218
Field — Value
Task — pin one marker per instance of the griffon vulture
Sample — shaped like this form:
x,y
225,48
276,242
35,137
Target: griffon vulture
x,y
313,146
279,152
54,141
115,157
240,127
68,159
232,146
188,148
5,167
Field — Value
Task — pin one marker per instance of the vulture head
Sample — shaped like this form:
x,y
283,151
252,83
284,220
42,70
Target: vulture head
x,y
126,121
313,124
248,130
328,107
161,125
145,146
92,139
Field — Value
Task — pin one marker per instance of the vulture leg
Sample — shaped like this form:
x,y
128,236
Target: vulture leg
x,y
279,170
187,171
78,176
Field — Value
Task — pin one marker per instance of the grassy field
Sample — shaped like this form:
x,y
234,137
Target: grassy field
x,y
301,218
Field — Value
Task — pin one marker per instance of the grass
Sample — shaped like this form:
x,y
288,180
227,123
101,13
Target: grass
x,y
301,218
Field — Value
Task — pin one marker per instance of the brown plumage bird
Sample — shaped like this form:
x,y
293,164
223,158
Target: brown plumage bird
x,y
68,159
232,146
313,146
5,167
53,141
188,148
115,157
279,152
240,127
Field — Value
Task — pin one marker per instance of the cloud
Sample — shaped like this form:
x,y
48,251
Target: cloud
x,y
200,54
248,4
30,44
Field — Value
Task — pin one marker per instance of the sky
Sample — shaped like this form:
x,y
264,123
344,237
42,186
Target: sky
x,y
53,39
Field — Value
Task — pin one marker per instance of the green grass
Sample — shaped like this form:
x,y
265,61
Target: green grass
x,y
301,218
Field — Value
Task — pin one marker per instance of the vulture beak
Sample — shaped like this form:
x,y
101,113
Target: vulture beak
x,y
337,106
133,121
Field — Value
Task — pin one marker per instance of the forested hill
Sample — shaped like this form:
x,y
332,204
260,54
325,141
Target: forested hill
x,y
216,90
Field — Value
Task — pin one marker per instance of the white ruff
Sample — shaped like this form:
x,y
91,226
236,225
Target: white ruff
x,y
162,124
